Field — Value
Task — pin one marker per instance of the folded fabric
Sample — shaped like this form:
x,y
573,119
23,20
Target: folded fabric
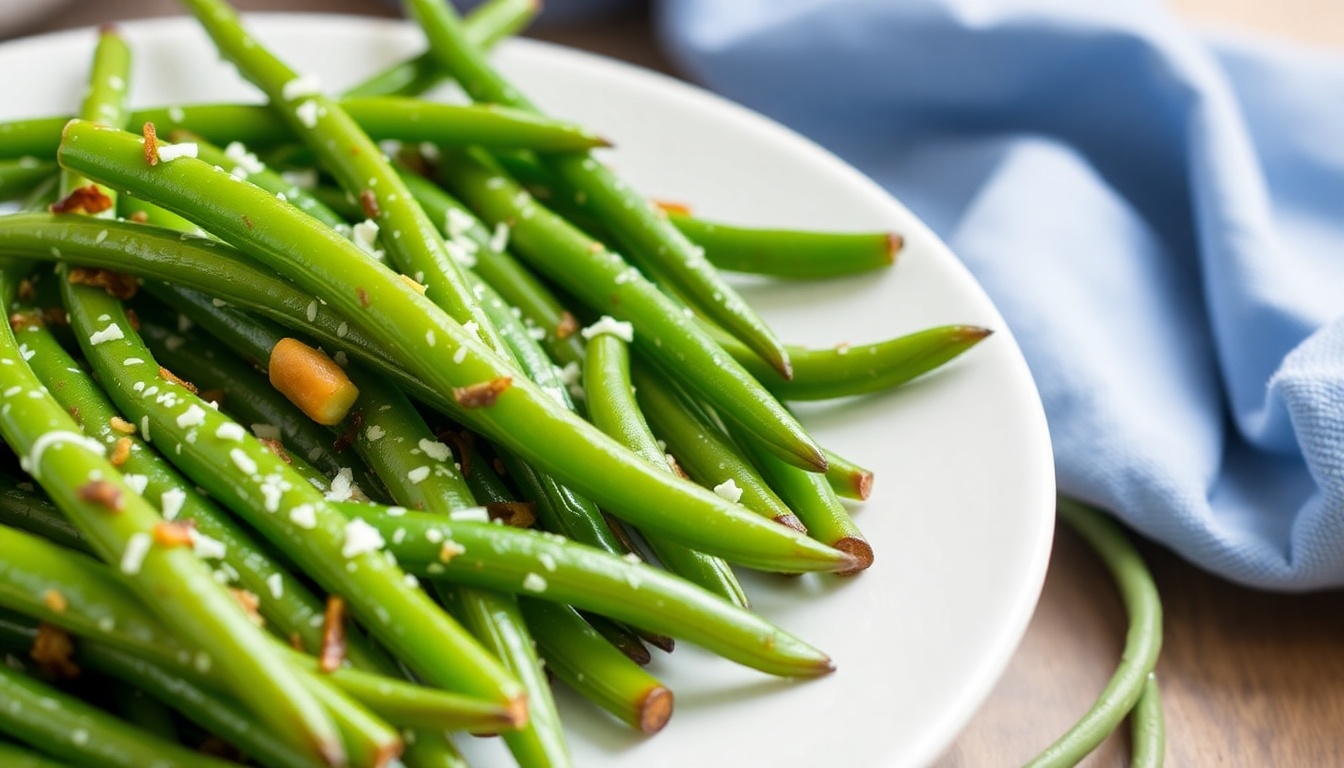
x,y
1159,216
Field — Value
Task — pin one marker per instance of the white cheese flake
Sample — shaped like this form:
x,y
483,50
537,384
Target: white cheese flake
x,y
307,113
301,86
112,332
304,516
136,483
231,430
360,538
207,548
171,152
276,584
418,475
434,449
342,485
171,502
608,324
470,515
374,433
365,235
134,555
242,461
194,416
728,489
534,583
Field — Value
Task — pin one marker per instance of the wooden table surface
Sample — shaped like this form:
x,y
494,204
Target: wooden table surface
x,y
1248,678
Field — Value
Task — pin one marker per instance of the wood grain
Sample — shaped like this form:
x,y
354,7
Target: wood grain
x,y
1249,678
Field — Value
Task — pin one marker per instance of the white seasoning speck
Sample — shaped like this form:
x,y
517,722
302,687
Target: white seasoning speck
x,y
312,310
276,585
607,324
342,485
246,163
434,449
134,555
242,461
547,561
418,475
728,489
429,337
170,503
499,239
301,86
207,548
194,416
307,113
460,355
132,361
144,426
360,537
231,430
110,333
374,432
79,737
534,583
304,516
343,329
170,152
470,515
365,235
136,483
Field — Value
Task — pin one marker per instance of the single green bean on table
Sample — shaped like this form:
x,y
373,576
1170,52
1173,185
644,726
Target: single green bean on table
x,y
1147,729
439,351
1132,679
638,225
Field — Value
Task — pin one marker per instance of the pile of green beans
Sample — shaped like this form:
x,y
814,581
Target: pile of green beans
x,y
515,480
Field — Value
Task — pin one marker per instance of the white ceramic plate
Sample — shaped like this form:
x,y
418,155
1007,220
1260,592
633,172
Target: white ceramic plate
x,y
962,514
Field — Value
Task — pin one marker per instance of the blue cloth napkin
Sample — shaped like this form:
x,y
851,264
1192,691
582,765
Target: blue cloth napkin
x,y
1159,216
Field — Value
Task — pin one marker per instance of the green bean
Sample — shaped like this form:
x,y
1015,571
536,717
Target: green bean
x,y
579,656
847,479
234,467
844,370
703,451
519,561
66,727
282,598
19,177
811,498
173,580
249,398
94,606
217,714
789,253
431,749
641,227
22,508
14,756
403,323
1148,732
612,408
407,235
382,118
105,100
1142,644
484,26
608,284
136,707
621,638
244,165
